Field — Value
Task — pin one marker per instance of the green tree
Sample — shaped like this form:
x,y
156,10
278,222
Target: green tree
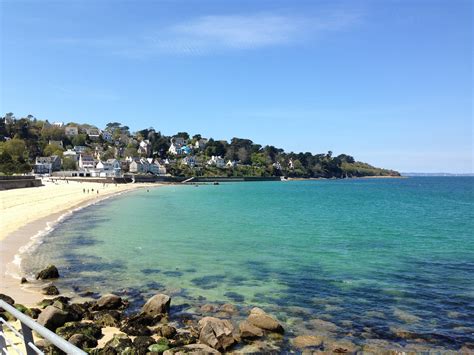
x,y
69,164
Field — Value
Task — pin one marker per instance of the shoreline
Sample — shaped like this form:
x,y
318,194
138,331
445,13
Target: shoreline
x,y
26,233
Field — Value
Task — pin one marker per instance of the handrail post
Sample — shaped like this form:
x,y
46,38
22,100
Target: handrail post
x,y
3,343
27,338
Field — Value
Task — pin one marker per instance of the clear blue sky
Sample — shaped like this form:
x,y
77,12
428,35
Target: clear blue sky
x,y
389,82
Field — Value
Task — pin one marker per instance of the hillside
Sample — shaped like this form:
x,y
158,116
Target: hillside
x,y
23,140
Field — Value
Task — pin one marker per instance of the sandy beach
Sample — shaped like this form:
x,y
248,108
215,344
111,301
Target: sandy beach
x,y
26,212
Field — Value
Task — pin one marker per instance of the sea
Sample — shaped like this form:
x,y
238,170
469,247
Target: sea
x,y
358,259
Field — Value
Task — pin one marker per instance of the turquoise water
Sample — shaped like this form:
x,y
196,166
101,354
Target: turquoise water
x,y
371,256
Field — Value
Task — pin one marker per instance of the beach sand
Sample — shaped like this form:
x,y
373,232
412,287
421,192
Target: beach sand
x,y
25,212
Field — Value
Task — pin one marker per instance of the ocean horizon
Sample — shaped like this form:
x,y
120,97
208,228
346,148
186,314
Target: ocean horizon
x,y
355,259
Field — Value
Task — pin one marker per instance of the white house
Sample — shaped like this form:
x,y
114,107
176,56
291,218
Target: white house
x,y
231,164
111,167
156,168
71,131
46,165
290,164
277,165
217,161
86,162
70,154
144,147
58,124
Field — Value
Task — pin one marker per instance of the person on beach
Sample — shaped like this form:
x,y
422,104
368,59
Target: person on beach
x,y
97,192
84,190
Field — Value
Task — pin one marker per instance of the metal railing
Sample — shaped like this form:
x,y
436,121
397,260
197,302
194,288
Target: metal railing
x,y
26,335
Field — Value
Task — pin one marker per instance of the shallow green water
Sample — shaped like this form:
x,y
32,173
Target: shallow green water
x,y
367,255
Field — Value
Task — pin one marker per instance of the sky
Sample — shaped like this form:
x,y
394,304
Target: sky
x,y
388,82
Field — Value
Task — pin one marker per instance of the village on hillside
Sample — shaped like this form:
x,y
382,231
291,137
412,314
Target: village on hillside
x,y
32,146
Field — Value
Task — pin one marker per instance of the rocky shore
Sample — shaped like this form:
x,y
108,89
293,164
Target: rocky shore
x,y
107,326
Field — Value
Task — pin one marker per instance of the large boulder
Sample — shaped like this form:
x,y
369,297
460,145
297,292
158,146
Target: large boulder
x,y
158,304
119,344
71,328
249,331
262,320
142,343
50,290
52,318
50,272
198,349
109,302
83,341
137,324
307,341
216,333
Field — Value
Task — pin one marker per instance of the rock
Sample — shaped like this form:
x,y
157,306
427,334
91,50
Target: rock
x,y
50,290
52,318
6,299
33,312
184,338
216,333
249,331
50,272
340,346
138,324
323,326
228,308
158,304
307,341
83,341
166,331
161,346
107,318
142,343
87,329
23,280
198,349
119,344
208,308
109,302
262,320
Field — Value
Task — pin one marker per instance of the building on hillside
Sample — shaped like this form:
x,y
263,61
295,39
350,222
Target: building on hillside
x,y
58,124
86,162
93,133
201,144
71,154
277,165
189,161
217,161
71,131
144,147
79,149
107,136
58,143
109,168
231,164
46,165
290,164
179,141
137,167
156,168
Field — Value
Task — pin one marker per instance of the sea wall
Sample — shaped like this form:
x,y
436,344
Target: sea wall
x,y
18,182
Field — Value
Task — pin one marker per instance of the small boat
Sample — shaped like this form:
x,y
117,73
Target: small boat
x,y
215,183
